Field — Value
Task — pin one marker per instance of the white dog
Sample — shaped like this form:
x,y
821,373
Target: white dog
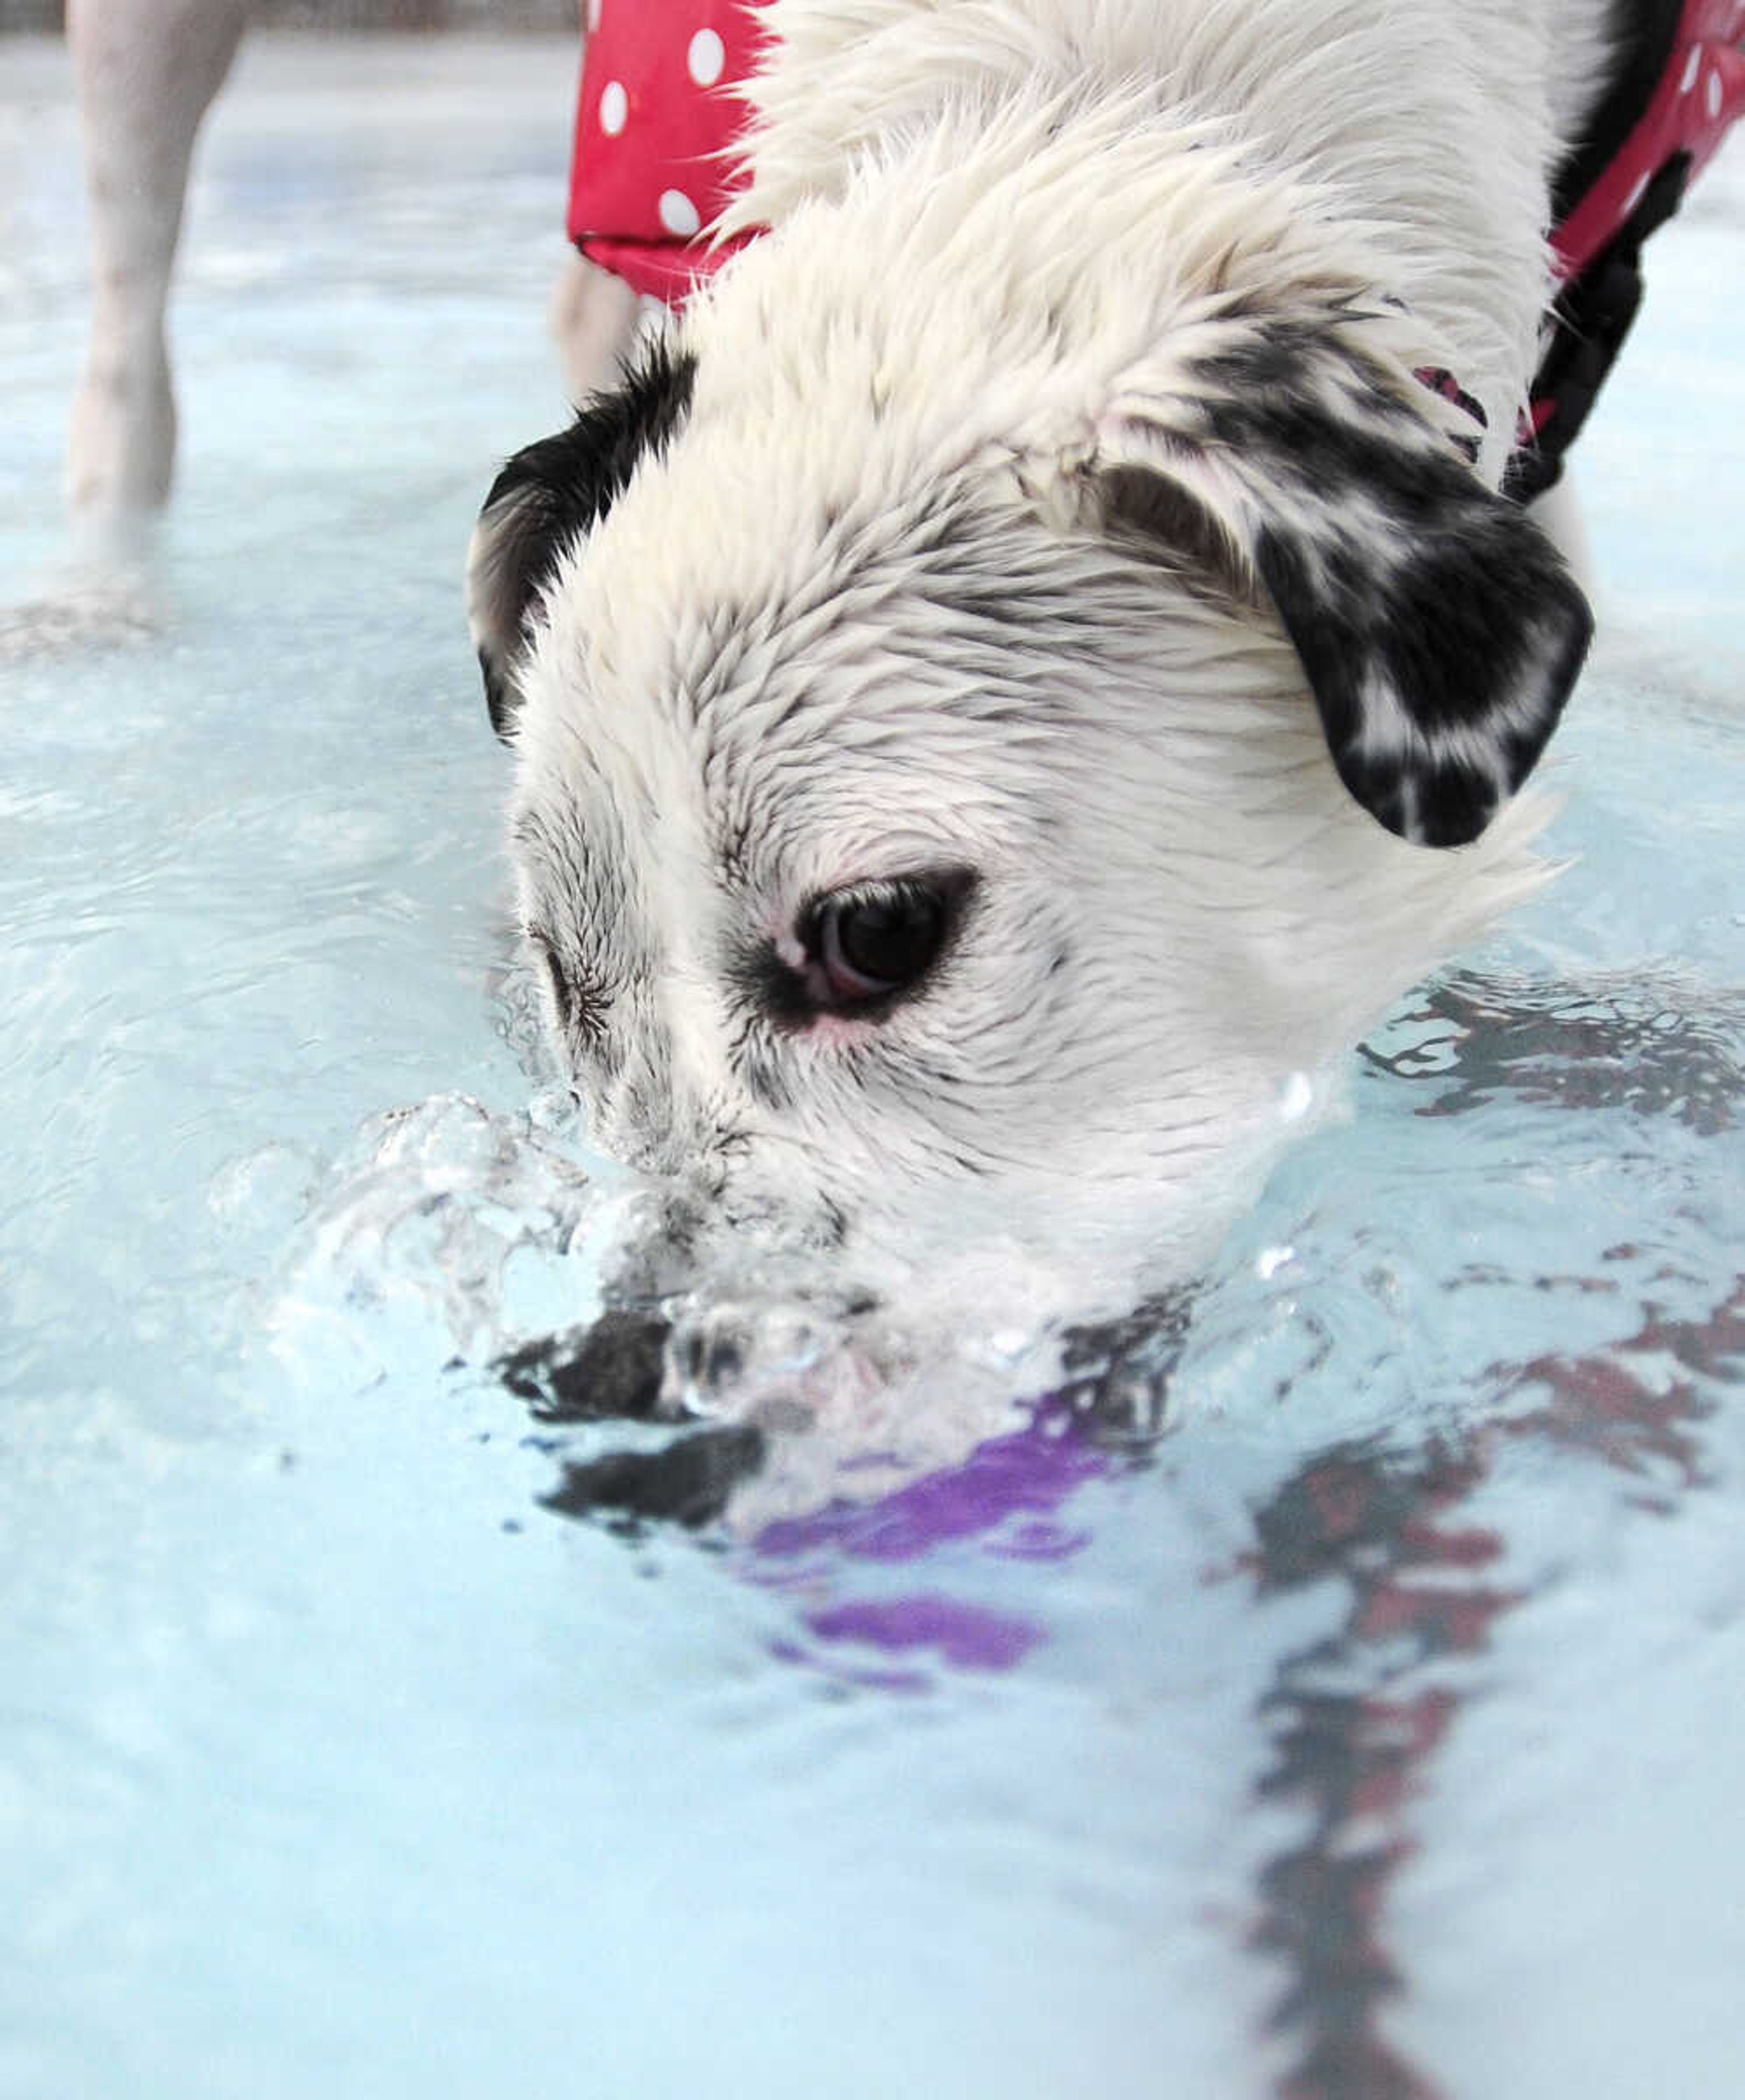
x,y
1034,660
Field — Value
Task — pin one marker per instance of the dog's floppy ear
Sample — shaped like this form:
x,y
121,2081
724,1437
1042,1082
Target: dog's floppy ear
x,y
547,497
1439,629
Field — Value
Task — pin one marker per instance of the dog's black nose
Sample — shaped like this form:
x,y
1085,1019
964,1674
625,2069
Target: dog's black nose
x,y
610,1371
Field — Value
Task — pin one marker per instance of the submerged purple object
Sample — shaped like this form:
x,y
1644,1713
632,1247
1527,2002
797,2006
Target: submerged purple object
x,y
1005,1496
1028,1473
967,1636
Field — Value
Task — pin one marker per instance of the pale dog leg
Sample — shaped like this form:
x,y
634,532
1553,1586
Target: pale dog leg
x,y
147,70
593,318
593,315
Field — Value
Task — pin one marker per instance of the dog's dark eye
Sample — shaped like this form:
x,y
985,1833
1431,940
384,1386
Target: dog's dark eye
x,y
871,944
875,941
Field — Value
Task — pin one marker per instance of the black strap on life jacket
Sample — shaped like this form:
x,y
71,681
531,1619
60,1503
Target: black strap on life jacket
x,y
1591,318
1593,312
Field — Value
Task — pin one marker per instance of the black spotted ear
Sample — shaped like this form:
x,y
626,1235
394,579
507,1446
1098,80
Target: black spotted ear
x,y
1440,630
1440,666
551,495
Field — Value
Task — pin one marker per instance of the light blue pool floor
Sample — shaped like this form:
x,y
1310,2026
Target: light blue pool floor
x,y
1374,1731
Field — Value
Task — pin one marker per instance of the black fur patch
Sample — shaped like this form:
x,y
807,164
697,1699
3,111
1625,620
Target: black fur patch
x,y
1473,642
552,492
1439,629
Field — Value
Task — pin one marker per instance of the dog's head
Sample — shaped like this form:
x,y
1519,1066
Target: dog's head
x,y
995,694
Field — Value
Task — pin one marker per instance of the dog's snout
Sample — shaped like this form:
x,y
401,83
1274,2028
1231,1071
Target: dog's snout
x,y
673,1109
638,1111
624,1127
665,1135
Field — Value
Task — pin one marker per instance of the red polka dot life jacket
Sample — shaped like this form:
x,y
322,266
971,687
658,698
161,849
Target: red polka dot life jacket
x,y
658,116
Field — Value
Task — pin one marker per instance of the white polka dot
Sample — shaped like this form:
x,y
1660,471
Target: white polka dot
x,y
1714,94
706,57
594,15
679,215
1693,66
615,107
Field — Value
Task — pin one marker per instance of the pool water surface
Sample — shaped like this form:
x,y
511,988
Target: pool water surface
x,y
1356,1715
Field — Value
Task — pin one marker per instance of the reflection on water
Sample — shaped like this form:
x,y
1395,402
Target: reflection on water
x,y
1352,1723
1657,1048
1398,1528
1357,1718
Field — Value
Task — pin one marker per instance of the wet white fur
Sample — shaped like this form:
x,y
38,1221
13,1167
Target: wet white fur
x,y
1434,128
1004,234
